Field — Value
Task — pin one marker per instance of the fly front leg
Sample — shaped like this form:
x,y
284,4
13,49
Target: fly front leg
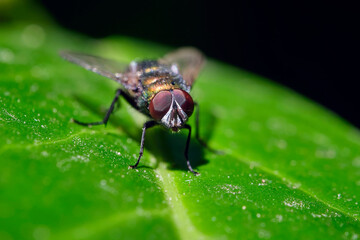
x,y
119,93
147,125
187,126
197,134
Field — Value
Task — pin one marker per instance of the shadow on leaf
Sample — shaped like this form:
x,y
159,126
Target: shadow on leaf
x,y
161,142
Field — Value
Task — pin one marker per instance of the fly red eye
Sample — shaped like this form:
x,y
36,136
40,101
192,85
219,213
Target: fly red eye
x,y
184,100
160,105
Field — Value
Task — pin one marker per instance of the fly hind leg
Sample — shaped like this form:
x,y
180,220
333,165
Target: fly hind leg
x,y
119,92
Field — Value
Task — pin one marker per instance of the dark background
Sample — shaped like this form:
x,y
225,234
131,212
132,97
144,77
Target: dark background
x,y
307,46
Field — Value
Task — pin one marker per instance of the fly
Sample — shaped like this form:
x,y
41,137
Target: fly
x,y
160,89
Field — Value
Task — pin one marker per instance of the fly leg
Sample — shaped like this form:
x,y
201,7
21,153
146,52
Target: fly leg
x,y
197,134
187,126
119,93
147,125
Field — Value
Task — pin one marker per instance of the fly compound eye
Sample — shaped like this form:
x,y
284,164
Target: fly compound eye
x,y
160,105
184,100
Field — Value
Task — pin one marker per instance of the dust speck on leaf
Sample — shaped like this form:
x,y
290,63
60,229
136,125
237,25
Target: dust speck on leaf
x,y
65,164
296,203
229,188
264,234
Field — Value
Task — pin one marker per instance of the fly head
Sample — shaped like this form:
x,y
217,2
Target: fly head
x,y
172,108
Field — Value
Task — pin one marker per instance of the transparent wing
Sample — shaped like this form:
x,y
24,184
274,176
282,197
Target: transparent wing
x,y
189,61
105,67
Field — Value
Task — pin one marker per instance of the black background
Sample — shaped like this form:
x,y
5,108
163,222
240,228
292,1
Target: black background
x,y
311,47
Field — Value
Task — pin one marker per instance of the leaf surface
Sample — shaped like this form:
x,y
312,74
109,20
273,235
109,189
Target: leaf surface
x,y
291,169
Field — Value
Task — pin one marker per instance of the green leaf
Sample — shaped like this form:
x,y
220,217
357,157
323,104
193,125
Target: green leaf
x,y
291,169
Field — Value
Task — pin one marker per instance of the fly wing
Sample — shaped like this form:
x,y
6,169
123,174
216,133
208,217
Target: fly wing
x,y
189,61
105,67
